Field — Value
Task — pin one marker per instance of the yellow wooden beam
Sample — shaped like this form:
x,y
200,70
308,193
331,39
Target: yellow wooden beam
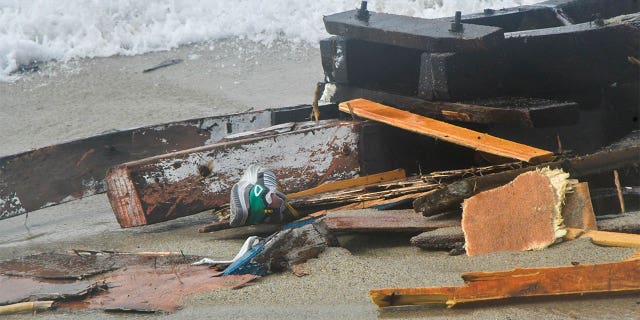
x,y
445,131
605,238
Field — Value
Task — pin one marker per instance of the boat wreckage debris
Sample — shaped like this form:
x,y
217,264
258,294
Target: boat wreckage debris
x,y
507,130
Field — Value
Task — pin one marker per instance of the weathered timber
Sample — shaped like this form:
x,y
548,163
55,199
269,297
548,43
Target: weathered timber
x,y
383,221
583,279
524,214
409,32
509,111
453,194
605,238
182,183
577,211
444,131
56,174
440,239
355,182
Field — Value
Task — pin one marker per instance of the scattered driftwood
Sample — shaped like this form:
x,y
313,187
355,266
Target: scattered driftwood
x,y
444,131
582,279
453,194
32,306
383,221
383,195
522,215
390,192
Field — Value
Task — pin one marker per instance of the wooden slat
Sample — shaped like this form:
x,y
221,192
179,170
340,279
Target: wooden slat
x,y
383,221
350,183
605,238
616,277
445,131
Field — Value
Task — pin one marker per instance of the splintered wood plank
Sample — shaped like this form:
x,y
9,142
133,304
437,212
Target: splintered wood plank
x,y
521,215
445,131
190,181
350,183
606,278
383,221
605,238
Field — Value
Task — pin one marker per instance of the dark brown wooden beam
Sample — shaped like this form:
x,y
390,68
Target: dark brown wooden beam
x,y
516,112
409,32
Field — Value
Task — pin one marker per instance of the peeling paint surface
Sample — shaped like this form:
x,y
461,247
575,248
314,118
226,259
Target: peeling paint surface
x,y
11,206
173,185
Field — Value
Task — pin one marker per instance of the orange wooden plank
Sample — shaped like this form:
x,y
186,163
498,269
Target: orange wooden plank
x,y
444,131
350,183
606,238
616,277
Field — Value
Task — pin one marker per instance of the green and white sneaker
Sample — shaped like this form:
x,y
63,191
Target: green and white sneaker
x,y
257,198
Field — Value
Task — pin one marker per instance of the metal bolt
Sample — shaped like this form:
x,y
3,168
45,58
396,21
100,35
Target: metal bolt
x,y
363,13
457,26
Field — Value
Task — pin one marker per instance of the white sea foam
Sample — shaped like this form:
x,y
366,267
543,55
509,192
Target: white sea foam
x,y
43,30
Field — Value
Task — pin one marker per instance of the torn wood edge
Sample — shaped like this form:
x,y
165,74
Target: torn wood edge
x,y
521,283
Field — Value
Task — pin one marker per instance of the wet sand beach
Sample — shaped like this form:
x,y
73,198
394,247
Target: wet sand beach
x,y
85,97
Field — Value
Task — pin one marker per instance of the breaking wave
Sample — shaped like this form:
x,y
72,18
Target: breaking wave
x,y
44,30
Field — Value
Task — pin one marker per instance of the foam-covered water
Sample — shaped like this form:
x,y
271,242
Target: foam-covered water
x,y
43,30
